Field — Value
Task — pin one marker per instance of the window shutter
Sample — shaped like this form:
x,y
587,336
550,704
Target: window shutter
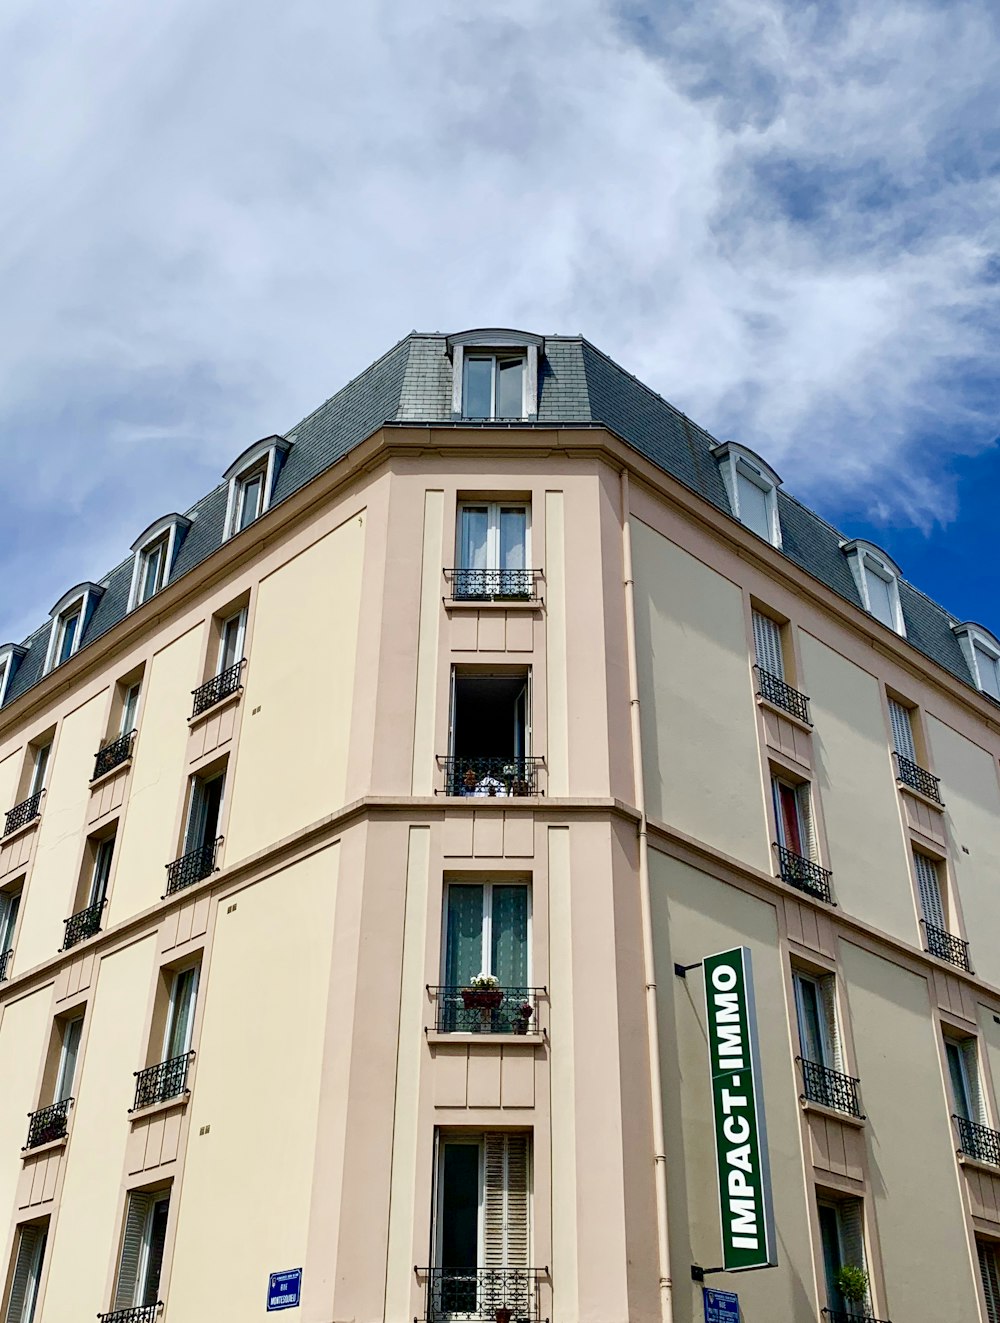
x,y
807,826
852,1232
828,994
929,887
767,644
128,1269
505,1203
971,1058
902,730
991,1284
24,1288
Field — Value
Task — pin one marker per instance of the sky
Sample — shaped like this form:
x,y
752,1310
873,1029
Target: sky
x,y
783,217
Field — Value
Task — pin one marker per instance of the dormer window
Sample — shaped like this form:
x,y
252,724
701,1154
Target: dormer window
x,y
251,482
752,487
982,652
69,619
10,655
495,374
877,579
154,552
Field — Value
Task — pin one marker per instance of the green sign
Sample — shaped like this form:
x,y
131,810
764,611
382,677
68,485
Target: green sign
x,y
744,1177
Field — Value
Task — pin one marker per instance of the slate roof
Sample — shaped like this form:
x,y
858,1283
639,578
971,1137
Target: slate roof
x,y
578,384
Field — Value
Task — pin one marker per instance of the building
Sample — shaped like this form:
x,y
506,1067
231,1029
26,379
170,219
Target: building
x,y
496,664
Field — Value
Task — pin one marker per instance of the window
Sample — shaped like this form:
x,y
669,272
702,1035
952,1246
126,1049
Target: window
x,y
180,1013
963,1078
752,487
69,619
493,386
482,1218
841,1227
988,670
69,625
492,552
768,645
27,1273
69,1050
10,655
152,570
816,1012
141,1260
154,551
39,767
877,580
10,905
204,808
491,735
130,707
252,480
982,653
929,890
990,1278
100,874
486,932
231,641
901,721
92,891
793,817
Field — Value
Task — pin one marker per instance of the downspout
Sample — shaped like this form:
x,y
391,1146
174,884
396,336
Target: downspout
x,y
648,956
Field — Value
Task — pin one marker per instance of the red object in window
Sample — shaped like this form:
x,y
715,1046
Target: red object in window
x,y
788,801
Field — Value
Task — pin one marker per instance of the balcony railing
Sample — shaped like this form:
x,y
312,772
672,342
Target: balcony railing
x,y
219,687
192,867
851,1316
830,1088
918,778
774,690
946,946
167,1079
802,873
464,1010
489,778
134,1314
978,1141
114,754
48,1123
83,924
481,1293
23,813
5,959
493,585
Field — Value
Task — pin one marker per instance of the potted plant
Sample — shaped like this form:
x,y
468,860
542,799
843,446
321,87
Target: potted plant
x,y
503,1314
524,1013
852,1283
484,993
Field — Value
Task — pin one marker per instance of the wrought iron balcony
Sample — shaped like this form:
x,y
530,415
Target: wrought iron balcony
x,y
21,814
851,1316
493,1295
134,1314
493,585
48,1123
918,778
83,924
192,867
978,1141
167,1079
802,873
830,1088
5,958
112,755
465,1010
946,946
774,690
219,687
493,777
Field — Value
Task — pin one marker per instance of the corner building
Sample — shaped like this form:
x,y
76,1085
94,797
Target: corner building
x,y
359,818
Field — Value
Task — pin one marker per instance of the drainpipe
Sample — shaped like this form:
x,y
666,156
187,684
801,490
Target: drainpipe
x,y
648,958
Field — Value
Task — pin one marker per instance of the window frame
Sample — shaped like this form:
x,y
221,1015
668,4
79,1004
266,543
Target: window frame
x,y
974,639
263,458
805,814
33,1274
479,1139
864,558
76,605
11,898
169,1023
502,343
62,1087
240,617
736,462
10,655
41,761
165,532
830,1050
486,927
494,507
495,358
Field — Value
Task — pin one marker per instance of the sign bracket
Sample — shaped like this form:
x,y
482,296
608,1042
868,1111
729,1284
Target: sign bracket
x,y
698,1273
682,970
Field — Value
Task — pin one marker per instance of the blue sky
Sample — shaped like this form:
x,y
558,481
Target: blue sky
x,y
784,217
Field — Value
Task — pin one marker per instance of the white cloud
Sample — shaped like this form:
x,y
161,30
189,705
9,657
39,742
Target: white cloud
x,y
215,213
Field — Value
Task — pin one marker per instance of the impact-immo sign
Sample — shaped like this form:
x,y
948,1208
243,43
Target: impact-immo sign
x,y
740,1133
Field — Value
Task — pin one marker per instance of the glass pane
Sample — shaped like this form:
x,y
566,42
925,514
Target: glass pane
x,y
510,388
151,572
880,598
513,538
459,1234
509,956
102,870
250,493
129,708
754,507
959,1083
830,1235
69,628
41,763
786,807
475,526
149,1290
477,388
232,642
989,673
464,937
70,1050
9,905
181,1013
810,1021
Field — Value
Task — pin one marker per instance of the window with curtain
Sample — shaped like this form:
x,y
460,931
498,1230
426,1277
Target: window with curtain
x,y
492,551
486,932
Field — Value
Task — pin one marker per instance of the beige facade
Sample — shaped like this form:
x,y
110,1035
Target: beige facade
x,y
342,1104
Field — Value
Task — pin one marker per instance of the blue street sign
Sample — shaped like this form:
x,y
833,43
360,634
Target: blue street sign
x,y
721,1306
284,1289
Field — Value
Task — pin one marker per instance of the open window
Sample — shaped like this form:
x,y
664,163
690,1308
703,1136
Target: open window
x,y
252,479
92,888
140,1261
153,553
70,617
226,651
821,1055
494,374
962,1059
117,746
490,740
10,908
486,941
482,1226
842,1235
32,784
982,653
169,1056
752,488
492,555
988,1253
25,1273
201,831
10,655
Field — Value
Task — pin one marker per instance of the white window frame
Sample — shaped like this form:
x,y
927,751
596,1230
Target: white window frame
x,y
104,848
493,508
61,1083
168,1029
862,556
79,601
9,898
499,343
263,457
486,931
736,461
240,617
495,358
10,655
479,1139
33,1275
971,637
40,766
165,532
124,728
